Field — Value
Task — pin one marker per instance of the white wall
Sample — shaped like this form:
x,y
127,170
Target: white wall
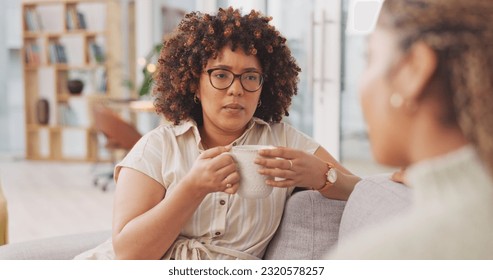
x,y
3,82
11,87
327,75
361,19
248,5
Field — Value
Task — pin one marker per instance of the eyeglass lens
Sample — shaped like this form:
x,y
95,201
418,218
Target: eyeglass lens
x,y
222,79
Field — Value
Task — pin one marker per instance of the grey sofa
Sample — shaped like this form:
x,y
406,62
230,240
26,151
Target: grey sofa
x,y
311,224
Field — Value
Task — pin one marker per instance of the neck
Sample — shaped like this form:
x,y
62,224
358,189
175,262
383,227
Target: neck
x,y
214,139
433,139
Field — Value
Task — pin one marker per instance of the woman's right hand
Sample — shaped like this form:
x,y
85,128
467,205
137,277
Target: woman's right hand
x,y
214,171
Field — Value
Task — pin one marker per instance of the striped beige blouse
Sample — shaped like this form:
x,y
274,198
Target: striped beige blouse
x,y
224,226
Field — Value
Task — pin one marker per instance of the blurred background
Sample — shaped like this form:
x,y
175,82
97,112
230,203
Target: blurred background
x,y
60,58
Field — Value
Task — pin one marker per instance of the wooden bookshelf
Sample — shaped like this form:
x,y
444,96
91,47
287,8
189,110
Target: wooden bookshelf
x,y
65,40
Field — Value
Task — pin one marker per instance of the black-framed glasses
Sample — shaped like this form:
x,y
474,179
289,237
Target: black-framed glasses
x,y
222,79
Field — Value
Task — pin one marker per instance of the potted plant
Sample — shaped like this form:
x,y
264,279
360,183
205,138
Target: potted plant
x,y
148,70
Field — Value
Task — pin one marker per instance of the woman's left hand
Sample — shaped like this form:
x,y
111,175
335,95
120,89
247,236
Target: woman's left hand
x,y
294,167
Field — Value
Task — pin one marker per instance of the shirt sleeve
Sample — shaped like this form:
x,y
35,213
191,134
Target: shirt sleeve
x,y
146,157
293,138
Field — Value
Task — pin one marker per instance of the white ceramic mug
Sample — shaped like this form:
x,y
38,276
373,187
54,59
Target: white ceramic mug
x,y
252,184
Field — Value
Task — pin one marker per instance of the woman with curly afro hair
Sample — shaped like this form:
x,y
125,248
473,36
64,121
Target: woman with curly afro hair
x,y
222,80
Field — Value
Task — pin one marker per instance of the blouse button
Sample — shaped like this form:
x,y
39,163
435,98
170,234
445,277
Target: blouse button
x,y
222,202
234,144
218,233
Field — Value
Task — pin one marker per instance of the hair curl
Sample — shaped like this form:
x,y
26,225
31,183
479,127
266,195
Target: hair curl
x,y
200,37
461,34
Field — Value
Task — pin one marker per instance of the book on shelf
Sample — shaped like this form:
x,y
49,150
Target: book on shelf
x,y
33,20
66,115
100,80
52,52
69,20
96,53
61,55
28,17
32,56
57,53
75,19
82,20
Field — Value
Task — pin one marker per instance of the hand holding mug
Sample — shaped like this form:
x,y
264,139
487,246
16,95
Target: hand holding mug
x,y
251,184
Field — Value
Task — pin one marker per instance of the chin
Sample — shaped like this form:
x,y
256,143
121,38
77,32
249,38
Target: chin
x,y
380,152
235,124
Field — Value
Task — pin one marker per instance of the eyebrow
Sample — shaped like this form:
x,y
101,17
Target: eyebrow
x,y
227,67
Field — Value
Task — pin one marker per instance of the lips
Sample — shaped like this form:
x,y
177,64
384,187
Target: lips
x,y
233,106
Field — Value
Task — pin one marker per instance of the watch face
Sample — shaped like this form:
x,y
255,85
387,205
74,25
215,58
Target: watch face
x,y
332,176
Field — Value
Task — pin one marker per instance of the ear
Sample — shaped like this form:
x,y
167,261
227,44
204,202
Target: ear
x,y
417,72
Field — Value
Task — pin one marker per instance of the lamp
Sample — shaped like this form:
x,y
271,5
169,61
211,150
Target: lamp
x,y
362,16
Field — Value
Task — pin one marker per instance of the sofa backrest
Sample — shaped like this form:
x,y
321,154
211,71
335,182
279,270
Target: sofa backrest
x,y
309,227
313,224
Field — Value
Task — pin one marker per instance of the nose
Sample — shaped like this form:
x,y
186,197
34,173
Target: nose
x,y
236,88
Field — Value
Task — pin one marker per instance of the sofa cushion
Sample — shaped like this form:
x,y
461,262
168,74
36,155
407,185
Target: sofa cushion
x,y
374,199
53,248
309,226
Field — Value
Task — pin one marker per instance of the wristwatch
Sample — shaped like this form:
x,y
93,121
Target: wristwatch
x,y
331,177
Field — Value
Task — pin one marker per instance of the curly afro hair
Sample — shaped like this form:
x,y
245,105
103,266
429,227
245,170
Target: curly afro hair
x,y
200,37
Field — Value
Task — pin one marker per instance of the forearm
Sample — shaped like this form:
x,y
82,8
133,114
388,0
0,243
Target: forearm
x,y
151,234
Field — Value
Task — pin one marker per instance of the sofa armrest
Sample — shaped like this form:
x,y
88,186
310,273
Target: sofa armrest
x,y
3,218
54,248
373,200
309,226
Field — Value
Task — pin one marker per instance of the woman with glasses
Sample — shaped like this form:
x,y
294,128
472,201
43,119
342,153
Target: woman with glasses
x,y
222,80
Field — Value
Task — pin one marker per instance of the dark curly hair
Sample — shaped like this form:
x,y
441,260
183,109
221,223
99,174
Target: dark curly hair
x,y
200,37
